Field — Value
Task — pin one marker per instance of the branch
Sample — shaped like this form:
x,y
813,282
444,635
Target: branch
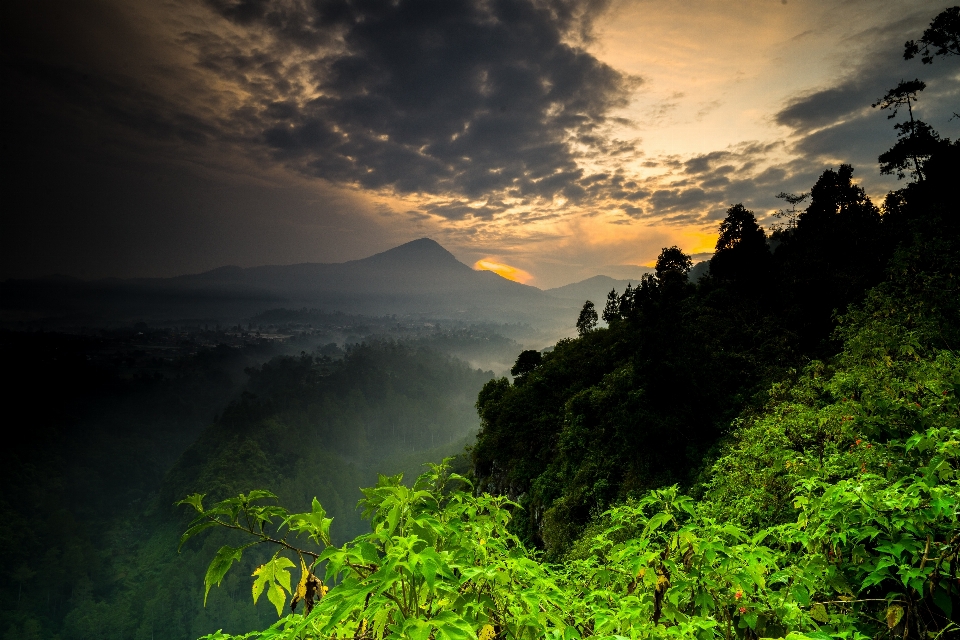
x,y
265,538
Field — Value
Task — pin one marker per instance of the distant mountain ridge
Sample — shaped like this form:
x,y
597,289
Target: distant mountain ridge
x,y
418,268
416,278
594,289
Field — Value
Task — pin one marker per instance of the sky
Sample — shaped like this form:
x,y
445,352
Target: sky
x,y
552,140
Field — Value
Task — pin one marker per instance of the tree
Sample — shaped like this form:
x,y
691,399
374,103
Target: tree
x,y
526,362
916,141
740,230
673,263
915,138
741,250
611,311
588,318
943,34
21,575
837,204
793,199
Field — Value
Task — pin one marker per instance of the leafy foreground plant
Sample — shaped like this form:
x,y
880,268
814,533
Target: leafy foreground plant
x,y
833,514
864,555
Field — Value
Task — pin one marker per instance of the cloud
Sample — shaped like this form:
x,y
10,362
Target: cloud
x,y
498,122
836,123
447,97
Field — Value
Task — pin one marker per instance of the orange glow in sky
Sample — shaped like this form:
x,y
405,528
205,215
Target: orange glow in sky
x,y
505,270
545,177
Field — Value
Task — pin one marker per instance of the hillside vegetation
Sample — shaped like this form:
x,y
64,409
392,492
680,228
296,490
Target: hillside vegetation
x,y
770,452
832,512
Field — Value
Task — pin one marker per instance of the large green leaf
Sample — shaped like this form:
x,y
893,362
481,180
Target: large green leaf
x,y
194,530
219,566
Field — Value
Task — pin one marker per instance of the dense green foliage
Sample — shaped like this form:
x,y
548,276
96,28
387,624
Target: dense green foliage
x,y
833,512
830,508
98,427
640,404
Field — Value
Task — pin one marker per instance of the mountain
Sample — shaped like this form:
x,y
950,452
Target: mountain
x,y
420,267
594,289
417,278
699,270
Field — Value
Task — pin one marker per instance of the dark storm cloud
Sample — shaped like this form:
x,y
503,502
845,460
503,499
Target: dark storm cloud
x,y
443,96
702,163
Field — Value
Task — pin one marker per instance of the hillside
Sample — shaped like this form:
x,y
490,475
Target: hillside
x,y
727,459
645,402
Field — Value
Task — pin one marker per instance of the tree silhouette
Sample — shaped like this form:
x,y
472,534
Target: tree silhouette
x,y
837,206
793,200
943,35
916,141
588,319
915,138
741,251
672,263
611,311
526,362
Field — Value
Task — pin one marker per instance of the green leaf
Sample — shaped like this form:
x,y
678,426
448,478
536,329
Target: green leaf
x,y
801,595
417,629
270,576
393,518
819,613
346,605
221,563
259,494
658,521
277,596
194,500
760,537
194,530
453,627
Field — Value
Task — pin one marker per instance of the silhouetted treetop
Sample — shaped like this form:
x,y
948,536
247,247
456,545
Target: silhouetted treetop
x,y
836,199
588,318
941,38
793,199
526,362
741,248
916,140
672,262
611,311
740,229
901,95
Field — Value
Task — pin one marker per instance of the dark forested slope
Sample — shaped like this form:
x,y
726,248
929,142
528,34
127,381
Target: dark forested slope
x,y
641,403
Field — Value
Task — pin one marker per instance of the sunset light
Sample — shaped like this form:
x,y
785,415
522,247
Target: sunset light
x,y
504,270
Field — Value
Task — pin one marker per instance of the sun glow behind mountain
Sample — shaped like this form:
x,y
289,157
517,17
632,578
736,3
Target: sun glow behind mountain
x,y
505,270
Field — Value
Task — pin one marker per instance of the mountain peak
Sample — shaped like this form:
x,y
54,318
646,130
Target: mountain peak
x,y
423,253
